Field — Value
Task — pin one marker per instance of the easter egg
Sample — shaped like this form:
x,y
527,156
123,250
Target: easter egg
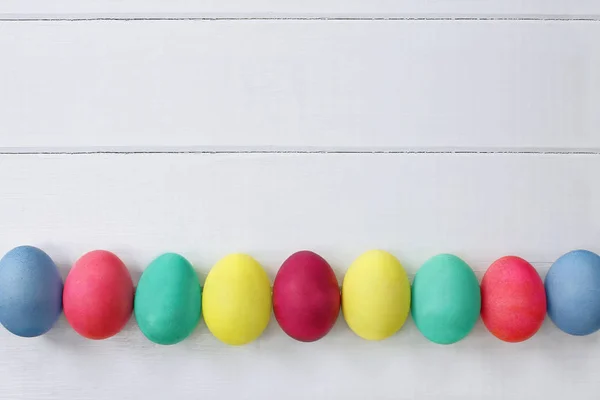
x,y
237,299
375,295
306,296
167,301
445,299
513,299
30,291
573,292
98,295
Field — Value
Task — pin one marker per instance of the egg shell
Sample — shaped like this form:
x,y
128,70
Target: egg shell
x,y
30,291
573,292
167,301
98,295
375,295
513,299
446,299
306,296
237,299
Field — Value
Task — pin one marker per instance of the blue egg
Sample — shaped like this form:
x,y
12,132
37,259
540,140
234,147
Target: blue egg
x,y
30,291
573,292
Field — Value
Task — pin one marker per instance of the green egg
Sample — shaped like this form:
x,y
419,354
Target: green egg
x,y
446,299
168,300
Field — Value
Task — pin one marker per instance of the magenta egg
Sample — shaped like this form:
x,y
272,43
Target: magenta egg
x,y
306,296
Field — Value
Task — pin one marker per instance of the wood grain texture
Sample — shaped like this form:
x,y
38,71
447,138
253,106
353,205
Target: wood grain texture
x,y
300,85
479,206
208,205
298,8
331,93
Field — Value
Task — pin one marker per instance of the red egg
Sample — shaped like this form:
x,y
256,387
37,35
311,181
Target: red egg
x,y
306,297
98,295
513,299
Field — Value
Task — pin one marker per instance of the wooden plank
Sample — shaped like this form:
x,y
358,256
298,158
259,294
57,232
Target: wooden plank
x,y
298,8
479,206
299,86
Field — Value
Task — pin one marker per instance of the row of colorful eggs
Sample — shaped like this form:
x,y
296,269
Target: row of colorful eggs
x,y
236,301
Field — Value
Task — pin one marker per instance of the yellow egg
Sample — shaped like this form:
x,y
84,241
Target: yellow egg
x,y
375,295
236,301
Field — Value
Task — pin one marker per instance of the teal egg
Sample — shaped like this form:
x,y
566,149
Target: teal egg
x,y
446,299
168,300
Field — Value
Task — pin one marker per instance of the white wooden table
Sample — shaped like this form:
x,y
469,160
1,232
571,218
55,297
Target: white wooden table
x,y
208,127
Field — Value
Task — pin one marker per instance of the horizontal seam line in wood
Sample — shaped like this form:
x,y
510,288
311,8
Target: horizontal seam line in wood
x,y
357,152
91,18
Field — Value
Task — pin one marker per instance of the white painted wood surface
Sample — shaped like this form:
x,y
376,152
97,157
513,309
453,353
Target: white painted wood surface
x,y
480,206
299,8
300,85
494,132
207,205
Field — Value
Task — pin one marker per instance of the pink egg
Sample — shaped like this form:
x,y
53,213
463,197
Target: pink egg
x,y
513,299
98,295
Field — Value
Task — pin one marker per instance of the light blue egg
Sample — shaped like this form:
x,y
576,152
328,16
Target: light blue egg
x,y
30,291
573,292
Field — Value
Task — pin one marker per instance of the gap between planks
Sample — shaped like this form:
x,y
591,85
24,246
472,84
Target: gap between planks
x,y
77,18
591,152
